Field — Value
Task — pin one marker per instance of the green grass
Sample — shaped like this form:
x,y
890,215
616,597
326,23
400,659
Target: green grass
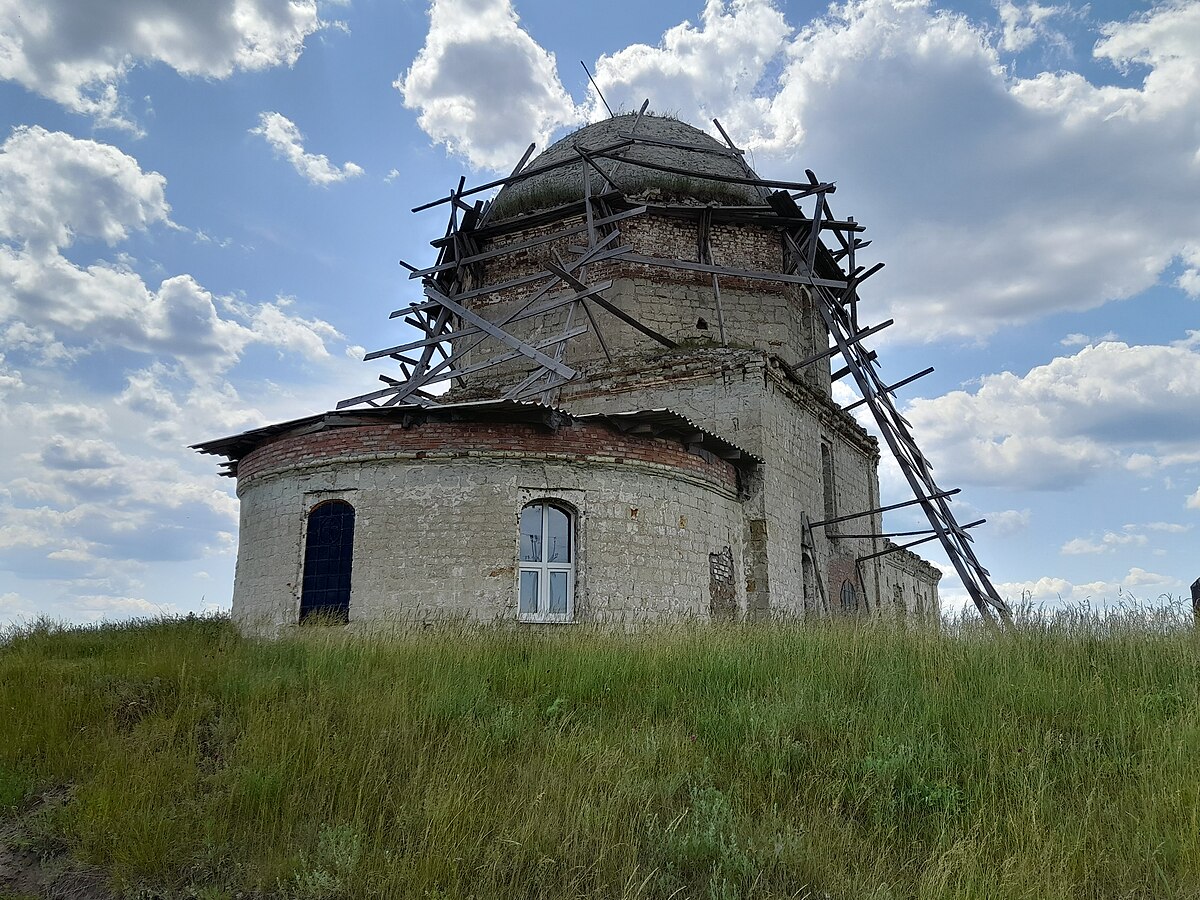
x,y
1061,760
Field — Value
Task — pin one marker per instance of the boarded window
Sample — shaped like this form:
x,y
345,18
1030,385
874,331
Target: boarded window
x,y
328,555
721,589
827,481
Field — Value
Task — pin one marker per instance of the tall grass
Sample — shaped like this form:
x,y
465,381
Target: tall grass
x,y
1059,760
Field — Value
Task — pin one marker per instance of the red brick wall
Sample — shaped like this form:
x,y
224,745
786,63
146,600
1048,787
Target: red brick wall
x,y
582,442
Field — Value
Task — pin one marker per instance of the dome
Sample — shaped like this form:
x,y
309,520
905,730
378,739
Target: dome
x,y
690,151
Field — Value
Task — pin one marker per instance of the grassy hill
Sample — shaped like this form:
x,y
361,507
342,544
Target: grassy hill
x,y
1062,760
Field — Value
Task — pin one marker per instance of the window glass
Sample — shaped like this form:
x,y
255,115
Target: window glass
x,y
531,533
529,592
558,535
558,593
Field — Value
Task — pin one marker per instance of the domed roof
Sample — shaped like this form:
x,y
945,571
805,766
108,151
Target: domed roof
x,y
663,142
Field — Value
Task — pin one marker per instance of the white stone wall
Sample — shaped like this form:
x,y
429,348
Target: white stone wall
x,y
735,393
437,536
908,587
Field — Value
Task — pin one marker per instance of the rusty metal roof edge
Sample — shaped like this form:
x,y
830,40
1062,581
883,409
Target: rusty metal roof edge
x,y
237,445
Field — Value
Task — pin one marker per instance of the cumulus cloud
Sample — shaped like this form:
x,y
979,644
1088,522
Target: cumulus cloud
x,y
1025,25
1018,215
1193,502
1107,543
701,71
79,54
55,188
72,455
105,488
482,86
1064,421
1075,339
1136,584
1007,522
288,143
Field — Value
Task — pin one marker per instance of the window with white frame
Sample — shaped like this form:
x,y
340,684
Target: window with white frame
x,y
547,572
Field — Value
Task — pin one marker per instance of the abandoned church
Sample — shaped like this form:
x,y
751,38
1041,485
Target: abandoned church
x,y
616,407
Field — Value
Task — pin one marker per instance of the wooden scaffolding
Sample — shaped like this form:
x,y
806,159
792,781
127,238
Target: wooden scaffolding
x,y
800,211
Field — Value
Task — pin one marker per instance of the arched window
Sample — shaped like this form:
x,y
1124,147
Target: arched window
x,y
849,597
328,554
547,575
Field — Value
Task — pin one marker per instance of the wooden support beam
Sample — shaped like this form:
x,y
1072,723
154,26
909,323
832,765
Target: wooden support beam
x,y
552,304
724,179
525,245
516,179
888,508
420,380
483,219
891,387
597,254
825,354
682,145
926,540
615,310
841,373
588,161
756,274
501,335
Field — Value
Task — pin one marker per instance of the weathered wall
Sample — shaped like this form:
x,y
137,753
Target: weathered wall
x,y
436,520
908,587
739,395
681,305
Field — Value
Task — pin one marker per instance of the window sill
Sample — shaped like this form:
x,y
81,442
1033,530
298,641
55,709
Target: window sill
x,y
545,620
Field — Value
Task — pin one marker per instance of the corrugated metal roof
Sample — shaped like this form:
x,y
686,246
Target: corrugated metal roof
x,y
661,422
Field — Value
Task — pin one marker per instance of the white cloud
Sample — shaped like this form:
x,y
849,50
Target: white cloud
x,y
1064,421
1075,339
699,71
72,455
1023,26
1193,502
1008,521
1107,543
55,188
1015,214
1136,585
102,485
78,54
287,142
1164,527
482,85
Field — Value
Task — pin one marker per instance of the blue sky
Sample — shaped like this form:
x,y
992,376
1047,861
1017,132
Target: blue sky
x,y
202,207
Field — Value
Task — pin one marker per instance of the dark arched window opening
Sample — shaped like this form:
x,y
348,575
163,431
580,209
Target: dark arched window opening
x,y
328,554
849,596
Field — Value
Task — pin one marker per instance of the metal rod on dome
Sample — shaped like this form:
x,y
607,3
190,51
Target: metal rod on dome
x,y
597,87
641,112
